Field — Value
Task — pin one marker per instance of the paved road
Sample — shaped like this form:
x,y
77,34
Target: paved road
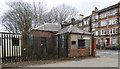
x,y
106,59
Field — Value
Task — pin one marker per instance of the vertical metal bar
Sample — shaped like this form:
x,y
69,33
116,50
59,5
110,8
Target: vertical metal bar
x,y
58,46
7,48
12,47
19,46
2,47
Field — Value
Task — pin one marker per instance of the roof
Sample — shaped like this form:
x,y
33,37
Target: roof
x,y
49,27
72,29
109,8
9,33
87,17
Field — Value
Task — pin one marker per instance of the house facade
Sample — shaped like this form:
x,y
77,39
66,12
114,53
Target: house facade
x,y
105,24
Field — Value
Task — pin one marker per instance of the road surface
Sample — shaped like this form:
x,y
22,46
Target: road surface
x,y
107,58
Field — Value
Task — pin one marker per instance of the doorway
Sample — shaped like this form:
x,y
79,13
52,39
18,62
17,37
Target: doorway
x,y
107,41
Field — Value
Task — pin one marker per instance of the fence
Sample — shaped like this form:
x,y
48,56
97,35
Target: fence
x,y
16,48
10,47
40,48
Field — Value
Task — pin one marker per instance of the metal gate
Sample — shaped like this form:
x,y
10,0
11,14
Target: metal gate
x,y
10,47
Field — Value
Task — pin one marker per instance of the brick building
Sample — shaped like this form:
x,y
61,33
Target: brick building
x,y
105,24
79,42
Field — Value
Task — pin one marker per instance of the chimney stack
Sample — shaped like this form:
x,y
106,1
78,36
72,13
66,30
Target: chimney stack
x,y
81,16
73,21
96,9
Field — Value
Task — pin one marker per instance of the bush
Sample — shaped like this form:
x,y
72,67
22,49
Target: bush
x,y
98,46
118,47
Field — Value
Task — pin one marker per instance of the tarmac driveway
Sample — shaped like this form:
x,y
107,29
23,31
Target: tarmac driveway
x,y
108,58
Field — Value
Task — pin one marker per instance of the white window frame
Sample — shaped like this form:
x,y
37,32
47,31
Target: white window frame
x,y
114,41
103,32
112,12
96,32
80,24
112,21
103,15
96,24
103,23
93,25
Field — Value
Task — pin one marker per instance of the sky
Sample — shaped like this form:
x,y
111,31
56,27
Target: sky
x,y
84,7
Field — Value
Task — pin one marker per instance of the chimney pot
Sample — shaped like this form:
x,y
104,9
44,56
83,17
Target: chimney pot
x,y
96,9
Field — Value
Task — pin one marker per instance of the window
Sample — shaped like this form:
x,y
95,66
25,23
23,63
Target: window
x,y
80,24
113,41
96,32
93,18
96,24
81,43
112,31
110,22
103,15
93,25
83,29
15,41
119,19
103,23
103,32
113,21
112,12
96,16
119,30
85,22
76,25
87,29
73,42
96,41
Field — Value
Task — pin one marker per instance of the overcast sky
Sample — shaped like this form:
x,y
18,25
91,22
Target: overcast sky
x,y
84,7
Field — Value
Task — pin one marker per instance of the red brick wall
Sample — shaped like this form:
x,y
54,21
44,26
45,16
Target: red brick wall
x,y
41,33
77,52
94,47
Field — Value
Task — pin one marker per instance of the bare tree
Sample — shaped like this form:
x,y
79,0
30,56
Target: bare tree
x,y
22,17
60,13
18,18
39,11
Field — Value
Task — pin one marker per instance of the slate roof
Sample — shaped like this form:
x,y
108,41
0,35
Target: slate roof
x,y
54,27
109,8
72,29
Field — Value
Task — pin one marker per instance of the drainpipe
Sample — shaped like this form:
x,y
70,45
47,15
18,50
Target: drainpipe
x,y
90,45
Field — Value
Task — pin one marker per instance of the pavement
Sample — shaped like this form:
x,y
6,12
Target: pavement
x,y
108,58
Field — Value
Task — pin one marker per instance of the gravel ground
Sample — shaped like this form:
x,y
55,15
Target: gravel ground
x,y
107,58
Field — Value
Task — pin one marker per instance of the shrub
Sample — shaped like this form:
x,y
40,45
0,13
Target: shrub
x,y
98,46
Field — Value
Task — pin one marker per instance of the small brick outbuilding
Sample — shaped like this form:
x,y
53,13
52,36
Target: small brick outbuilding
x,y
79,41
